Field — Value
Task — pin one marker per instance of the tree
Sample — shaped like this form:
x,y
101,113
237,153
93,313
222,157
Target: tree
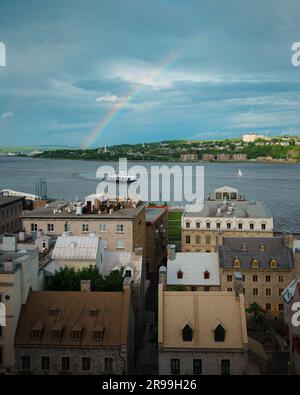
x,y
257,312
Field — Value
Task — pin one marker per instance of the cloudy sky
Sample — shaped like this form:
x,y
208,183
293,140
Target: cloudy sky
x,y
101,72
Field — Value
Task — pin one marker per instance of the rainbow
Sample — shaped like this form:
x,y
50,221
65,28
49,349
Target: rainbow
x,y
120,106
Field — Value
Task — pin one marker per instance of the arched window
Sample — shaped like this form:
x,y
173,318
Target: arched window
x,y
255,263
237,263
187,333
179,275
244,247
219,333
262,247
187,225
273,263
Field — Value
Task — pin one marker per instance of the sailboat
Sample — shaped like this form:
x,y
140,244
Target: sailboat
x,y
240,173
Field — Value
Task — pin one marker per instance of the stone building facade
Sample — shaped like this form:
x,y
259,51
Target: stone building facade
x,y
10,212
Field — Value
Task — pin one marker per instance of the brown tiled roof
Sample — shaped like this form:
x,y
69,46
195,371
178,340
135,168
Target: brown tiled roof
x,y
73,308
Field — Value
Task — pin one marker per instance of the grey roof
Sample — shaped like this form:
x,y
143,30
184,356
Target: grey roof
x,y
17,259
48,212
8,200
153,213
241,209
274,247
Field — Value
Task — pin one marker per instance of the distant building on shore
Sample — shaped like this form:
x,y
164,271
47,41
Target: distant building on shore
x,y
189,157
224,157
251,137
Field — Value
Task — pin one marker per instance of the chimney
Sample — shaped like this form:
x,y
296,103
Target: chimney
x,y
171,252
288,239
163,276
85,285
238,284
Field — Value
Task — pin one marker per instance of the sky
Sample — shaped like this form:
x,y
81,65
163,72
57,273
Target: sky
x,y
103,72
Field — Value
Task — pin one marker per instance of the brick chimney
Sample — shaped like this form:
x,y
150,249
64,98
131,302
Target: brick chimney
x,y
85,285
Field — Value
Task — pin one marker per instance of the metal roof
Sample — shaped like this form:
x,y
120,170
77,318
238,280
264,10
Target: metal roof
x,y
76,247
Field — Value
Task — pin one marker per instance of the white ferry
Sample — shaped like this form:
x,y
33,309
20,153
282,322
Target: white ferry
x,y
121,177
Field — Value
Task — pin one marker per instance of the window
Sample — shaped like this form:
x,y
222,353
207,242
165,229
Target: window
x,y
197,366
240,226
280,307
229,278
98,335
65,363
86,364
85,228
179,275
25,362
198,239
268,307
50,227
103,228
244,247
268,291
268,279
120,244
175,366
255,278
263,226
128,273
120,228
228,225
255,292
187,225
255,263
36,334
207,225
229,289
236,263
219,333
218,196
261,247
45,363
273,263
108,365
33,227
208,239
198,225
251,226
218,227
56,334
76,335
225,367
281,279
187,333
188,239
206,275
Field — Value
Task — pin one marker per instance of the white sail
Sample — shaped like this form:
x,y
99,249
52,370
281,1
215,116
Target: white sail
x,y
240,173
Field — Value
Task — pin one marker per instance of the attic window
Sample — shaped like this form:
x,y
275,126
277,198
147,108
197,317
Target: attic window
x,y
56,334
36,334
236,263
206,275
219,333
187,333
255,263
273,263
53,311
261,247
244,247
76,335
179,275
128,273
98,335
93,312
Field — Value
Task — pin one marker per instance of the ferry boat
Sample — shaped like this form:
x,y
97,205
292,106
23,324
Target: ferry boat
x,y
121,177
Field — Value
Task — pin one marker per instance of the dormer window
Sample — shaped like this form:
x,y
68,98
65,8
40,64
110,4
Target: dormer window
x,y
76,335
36,334
128,273
219,333
179,275
261,247
56,334
187,333
273,263
206,275
244,247
99,334
236,263
93,311
255,263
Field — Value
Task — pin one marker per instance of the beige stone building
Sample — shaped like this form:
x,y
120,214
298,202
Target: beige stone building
x,y
120,224
266,264
201,333
189,157
10,212
18,274
226,211
156,237
87,333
